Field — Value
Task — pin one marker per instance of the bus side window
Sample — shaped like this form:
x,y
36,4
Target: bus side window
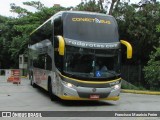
x,y
43,33
49,62
56,42
39,62
58,27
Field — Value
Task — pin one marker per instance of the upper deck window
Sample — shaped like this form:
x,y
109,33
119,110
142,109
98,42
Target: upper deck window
x,y
90,28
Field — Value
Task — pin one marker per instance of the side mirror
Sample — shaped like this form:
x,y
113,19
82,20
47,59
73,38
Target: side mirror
x,y
129,48
61,45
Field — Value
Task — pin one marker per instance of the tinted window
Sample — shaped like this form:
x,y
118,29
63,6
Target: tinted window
x,y
90,28
39,62
43,33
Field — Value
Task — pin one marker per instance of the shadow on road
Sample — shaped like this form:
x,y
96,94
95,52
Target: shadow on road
x,y
86,103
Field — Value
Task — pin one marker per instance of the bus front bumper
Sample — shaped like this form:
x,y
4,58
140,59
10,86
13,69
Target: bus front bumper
x,y
78,98
71,92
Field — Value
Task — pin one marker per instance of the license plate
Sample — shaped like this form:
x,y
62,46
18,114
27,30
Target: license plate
x,y
94,96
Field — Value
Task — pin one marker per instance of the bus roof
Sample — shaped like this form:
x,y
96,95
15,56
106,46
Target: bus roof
x,y
60,14
80,12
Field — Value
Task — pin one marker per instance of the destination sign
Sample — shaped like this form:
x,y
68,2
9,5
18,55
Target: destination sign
x,y
94,45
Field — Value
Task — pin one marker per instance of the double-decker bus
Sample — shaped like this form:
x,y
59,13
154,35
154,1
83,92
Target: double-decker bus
x,y
76,55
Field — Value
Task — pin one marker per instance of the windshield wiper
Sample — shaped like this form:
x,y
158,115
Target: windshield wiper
x,y
69,73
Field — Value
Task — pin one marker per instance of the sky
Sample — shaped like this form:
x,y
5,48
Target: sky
x,y
5,4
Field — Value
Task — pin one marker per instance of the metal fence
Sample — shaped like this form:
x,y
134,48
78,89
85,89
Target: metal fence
x,y
133,74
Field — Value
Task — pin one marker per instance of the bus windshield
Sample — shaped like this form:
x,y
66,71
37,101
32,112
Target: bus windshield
x,y
92,63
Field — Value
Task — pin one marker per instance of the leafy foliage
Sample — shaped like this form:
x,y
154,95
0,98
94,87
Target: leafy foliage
x,y
19,10
138,26
91,6
14,32
152,70
36,4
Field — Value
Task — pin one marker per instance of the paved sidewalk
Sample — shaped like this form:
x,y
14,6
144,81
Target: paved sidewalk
x,y
21,97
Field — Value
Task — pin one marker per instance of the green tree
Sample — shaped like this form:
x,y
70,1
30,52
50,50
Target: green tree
x,y
36,4
5,33
152,70
138,26
15,31
19,10
91,6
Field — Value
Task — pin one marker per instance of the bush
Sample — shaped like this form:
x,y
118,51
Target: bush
x,y
152,70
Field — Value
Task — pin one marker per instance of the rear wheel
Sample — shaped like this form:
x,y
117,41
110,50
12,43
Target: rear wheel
x,y
32,82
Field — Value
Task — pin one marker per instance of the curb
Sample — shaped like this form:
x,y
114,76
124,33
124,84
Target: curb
x,y
24,77
140,92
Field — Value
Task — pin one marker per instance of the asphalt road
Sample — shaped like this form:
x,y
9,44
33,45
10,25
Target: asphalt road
x,y
26,98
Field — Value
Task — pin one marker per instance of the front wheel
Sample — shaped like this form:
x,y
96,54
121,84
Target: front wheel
x,y
52,96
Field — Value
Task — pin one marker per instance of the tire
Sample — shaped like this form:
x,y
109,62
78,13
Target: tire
x,y
32,82
51,95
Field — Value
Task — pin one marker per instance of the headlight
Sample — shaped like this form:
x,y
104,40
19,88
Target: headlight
x,y
116,87
68,84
